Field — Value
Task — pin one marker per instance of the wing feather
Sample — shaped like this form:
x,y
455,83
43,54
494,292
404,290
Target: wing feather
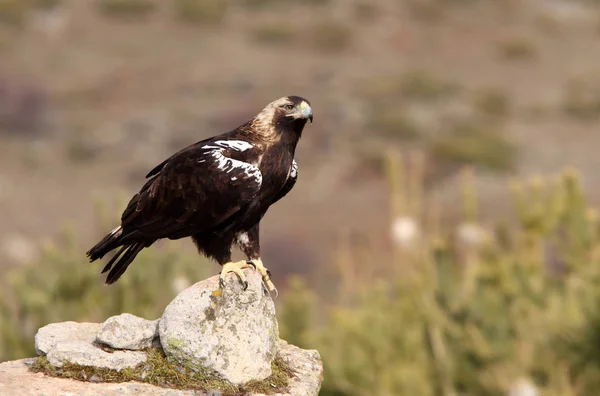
x,y
194,190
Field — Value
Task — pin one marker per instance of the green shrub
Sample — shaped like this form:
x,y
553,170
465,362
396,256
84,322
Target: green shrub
x,y
13,12
447,314
393,122
127,8
517,49
201,12
582,99
474,319
274,33
475,143
63,286
330,36
493,102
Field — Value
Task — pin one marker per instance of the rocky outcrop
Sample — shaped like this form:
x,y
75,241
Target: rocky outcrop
x,y
234,332
230,332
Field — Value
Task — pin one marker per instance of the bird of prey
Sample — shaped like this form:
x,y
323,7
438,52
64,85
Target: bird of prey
x,y
215,191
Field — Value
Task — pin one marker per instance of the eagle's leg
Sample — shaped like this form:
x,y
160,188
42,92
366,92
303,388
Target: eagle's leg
x,y
236,268
249,243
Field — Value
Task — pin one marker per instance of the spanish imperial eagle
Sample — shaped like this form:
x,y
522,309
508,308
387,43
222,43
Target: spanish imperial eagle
x,y
215,191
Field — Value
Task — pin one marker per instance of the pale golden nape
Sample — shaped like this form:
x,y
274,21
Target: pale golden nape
x,y
264,120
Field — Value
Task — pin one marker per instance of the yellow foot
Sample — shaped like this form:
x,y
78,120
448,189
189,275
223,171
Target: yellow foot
x,y
265,273
236,268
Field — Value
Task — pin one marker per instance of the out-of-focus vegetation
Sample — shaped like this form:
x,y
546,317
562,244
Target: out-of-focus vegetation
x,y
468,310
62,285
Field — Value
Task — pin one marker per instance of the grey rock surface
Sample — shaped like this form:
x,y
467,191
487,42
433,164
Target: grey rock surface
x,y
86,354
15,379
307,366
127,331
48,336
229,330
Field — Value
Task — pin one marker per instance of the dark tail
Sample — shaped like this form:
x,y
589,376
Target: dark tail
x,y
111,241
123,257
122,262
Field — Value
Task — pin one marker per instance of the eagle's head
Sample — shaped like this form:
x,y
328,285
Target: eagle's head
x,y
287,113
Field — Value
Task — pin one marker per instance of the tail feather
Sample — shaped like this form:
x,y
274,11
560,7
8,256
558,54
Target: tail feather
x,y
122,263
130,245
113,259
111,241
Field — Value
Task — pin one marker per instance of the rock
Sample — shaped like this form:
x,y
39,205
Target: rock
x,y
307,366
232,331
48,336
128,331
86,354
15,379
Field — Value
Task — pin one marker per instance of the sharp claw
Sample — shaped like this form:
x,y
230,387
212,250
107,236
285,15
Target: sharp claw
x,y
244,285
221,283
269,273
265,290
250,262
276,293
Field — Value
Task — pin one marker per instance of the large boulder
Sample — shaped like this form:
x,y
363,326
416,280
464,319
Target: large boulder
x,y
231,331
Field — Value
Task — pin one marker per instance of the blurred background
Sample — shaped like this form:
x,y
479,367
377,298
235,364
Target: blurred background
x,y
442,238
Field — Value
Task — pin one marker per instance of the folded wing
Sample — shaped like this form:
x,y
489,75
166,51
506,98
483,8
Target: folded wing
x,y
197,189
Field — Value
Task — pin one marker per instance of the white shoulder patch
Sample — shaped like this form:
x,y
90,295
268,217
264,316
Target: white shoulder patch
x,y
229,165
294,171
238,145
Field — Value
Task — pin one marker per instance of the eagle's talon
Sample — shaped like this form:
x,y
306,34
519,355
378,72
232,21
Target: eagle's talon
x,y
269,273
235,268
250,262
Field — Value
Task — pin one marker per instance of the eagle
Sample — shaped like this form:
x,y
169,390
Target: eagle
x,y
215,191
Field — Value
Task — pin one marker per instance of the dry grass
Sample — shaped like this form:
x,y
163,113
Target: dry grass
x,y
159,371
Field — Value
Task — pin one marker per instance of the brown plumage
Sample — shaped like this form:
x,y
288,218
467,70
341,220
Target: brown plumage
x,y
215,191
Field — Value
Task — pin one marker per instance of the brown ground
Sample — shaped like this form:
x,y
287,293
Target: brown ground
x,y
116,97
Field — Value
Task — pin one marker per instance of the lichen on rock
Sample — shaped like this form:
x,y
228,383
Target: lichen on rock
x,y
231,331
127,331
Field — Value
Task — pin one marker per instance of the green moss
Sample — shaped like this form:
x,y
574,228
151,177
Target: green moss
x,y
160,371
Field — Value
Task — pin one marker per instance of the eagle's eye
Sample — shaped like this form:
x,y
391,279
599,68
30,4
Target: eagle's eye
x,y
289,107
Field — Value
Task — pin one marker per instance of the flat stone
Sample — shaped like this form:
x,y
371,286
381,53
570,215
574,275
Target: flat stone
x,y
86,354
128,331
48,336
229,330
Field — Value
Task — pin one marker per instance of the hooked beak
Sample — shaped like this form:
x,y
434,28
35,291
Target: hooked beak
x,y
306,111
